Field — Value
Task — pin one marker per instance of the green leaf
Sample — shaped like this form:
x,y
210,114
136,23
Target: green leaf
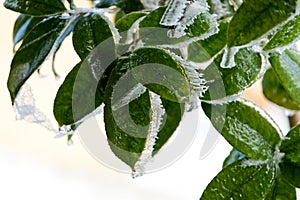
x,y
164,75
233,80
245,127
275,92
124,23
127,132
290,172
33,51
282,191
126,5
36,7
204,50
287,68
81,93
291,146
246,179
285,35
88,32
23,26
233,156
255,18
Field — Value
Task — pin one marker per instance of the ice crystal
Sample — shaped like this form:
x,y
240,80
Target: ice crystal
x,y
157,113
25,109
174,12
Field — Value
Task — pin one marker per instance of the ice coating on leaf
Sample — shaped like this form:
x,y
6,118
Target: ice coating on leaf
x,y
228,59
221,9
25,109
190,14
197,82
226,99
157,113
133,34
174,12
114,30
264,114
150,4
134,93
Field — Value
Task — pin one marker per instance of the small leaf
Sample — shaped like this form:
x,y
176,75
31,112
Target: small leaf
x,y
164,75
245,127
88,32
127,127
233,80
246,179
255,18
290,172
36,7
233,156
33,51
285,35
275,92
291,146
287,68
204,50
23,26
282,190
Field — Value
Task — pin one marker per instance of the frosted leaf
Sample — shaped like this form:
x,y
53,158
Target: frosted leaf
x,y
157,113
190,14
134,93
114,30
174,12
25,109
150,4
264,114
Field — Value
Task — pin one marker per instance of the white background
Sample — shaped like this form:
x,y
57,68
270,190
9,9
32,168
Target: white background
x,y
36,165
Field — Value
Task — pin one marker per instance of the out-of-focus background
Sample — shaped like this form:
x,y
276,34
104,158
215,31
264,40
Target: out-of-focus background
x,y
35,164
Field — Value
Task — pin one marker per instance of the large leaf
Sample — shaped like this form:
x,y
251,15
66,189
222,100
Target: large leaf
x,y
83,89
164,75
88,32
245,127
246,179
234,80
282,190
36,7
286,35
291,146
287,68
255,18
275,92
291,173
127,126
204,50
33,51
